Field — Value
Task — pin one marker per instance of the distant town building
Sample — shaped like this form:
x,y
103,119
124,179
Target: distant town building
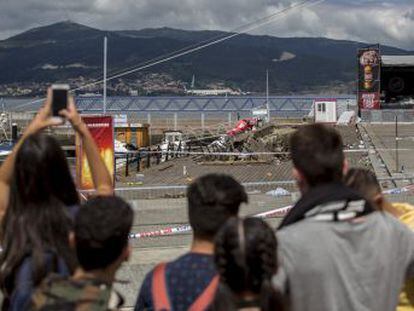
x,y
213,92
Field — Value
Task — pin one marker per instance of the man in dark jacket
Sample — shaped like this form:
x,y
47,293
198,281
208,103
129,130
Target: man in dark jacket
x,y
334,249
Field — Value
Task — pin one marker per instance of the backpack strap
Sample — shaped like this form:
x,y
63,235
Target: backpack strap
x,y
160,298
206,297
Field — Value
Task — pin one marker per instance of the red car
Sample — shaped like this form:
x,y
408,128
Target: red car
x,y
242,126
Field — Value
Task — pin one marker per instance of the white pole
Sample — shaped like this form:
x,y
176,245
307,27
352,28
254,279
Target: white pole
x,y
105,72
149,118
267,96
150,127
202,121
175,121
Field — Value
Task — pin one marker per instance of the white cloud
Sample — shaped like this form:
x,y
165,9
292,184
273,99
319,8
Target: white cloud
x,y
384,24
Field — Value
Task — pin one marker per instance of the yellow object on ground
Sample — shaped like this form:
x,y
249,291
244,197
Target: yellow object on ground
x,y
406,302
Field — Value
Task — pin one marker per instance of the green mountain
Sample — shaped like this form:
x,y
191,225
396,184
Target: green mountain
x,y
69,50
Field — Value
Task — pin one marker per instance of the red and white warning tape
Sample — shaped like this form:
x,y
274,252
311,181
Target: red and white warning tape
x,y
161,232
409,188
279,212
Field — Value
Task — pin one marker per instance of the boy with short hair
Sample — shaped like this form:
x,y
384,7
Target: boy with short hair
x,y
101,235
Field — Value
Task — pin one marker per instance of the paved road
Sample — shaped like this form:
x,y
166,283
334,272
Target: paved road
x,y
383,137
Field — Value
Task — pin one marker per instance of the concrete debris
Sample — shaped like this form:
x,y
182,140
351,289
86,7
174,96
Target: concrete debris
x,y
278,192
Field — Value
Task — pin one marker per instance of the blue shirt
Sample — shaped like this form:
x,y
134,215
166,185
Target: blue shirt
x,y
187,278
24,284
23,281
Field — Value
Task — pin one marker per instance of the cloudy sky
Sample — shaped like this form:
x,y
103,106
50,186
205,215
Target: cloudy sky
x,y
388,22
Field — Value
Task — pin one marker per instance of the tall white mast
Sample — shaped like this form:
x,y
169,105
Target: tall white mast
x,y
105,72
267,96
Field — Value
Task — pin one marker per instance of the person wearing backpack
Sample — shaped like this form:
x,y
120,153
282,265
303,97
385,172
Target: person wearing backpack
x,y
38,201
190,282
101,240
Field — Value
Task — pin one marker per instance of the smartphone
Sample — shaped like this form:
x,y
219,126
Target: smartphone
x,y
59,98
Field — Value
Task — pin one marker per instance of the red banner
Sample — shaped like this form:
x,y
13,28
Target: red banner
x,y
369,64
102,131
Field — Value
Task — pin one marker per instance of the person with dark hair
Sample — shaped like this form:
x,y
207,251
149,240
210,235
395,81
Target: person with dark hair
x,y
38,198
318,167
366,183
333,245
100,238
189,282
246,260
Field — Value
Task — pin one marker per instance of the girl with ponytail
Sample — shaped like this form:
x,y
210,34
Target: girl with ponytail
x,y
245,256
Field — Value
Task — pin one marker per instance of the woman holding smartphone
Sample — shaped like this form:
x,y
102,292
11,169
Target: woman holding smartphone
x,y
38,200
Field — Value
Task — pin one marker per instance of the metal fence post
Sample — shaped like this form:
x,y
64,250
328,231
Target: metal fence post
x,y
158,154
149,129
14,133
149,158
127,166
138,161
397,156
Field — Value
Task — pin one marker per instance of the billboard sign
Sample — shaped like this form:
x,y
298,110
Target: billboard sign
x,y
369,69
102,131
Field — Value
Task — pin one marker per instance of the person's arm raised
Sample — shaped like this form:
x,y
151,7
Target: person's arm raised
x,y
42,120
100,175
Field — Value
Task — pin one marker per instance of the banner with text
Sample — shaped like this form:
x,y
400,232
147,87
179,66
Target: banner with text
x,y
102,131
369,64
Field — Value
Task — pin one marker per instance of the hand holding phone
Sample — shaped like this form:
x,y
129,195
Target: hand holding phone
x,y
44,118
59,98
